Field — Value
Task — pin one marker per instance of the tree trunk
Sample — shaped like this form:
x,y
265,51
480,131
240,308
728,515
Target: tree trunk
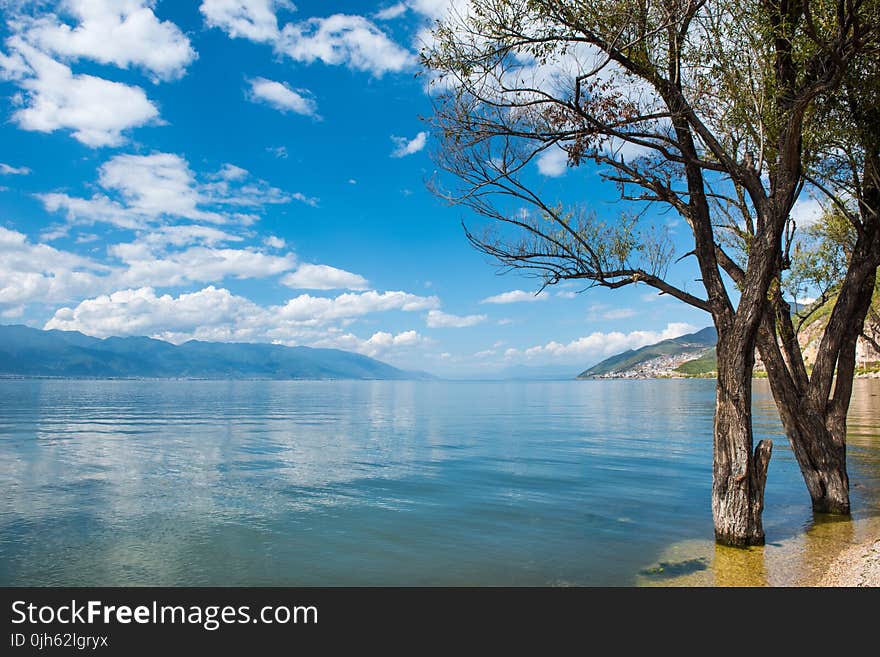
x,y
816,432
739,474
820,451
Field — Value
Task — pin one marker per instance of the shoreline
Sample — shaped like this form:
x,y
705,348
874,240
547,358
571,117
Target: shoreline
x,y
856,566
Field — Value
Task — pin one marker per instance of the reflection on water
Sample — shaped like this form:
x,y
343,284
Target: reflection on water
x,y
326,483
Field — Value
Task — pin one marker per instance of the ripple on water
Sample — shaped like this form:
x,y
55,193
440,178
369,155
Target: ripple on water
x,y
359,483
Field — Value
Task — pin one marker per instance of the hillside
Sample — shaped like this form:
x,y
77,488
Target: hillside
x,y
694,355
26,351
654,360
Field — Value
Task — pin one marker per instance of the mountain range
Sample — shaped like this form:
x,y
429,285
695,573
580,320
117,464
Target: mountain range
x,y
26,351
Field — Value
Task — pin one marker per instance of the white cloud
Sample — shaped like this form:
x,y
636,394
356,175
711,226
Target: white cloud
x,y
324,277
274,242
567,294
9,170
210,311
249,19
97,111
149,188
278,151
436,9
13,312
318,310
377,345
553,162
439,319
341,39
155,185
230,172
806,212
404,146
216,314
391,12
38,272
337,40
302,198
515,296
598,345
98,209
282,97
147,266
124,33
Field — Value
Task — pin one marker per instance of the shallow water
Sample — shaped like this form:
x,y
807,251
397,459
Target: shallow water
x,y
380,483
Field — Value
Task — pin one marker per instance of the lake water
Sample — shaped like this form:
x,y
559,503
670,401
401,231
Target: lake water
x,y
394,483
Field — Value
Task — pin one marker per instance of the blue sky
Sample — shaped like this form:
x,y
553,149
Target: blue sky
x,y
247,170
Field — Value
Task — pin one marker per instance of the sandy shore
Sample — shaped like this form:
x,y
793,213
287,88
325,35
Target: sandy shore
x,y
858,565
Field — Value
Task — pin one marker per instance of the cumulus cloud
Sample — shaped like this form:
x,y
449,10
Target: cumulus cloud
x,y
230,172
377,345
249,19
553,162
440,319
9,170
346,40
515,296
216,314
164,256
439,8
97,209
143,312
155,185
281,97
598,345
338,40
324,277
40,272
95,110
148,188
146,266
807,211
404,146
275,242
318,310
124,33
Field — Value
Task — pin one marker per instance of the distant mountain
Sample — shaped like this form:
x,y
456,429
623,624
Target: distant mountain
x,y
26,351
662,358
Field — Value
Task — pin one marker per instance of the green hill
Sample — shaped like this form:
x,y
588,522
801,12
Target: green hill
x,y
670,357
705,365
694,345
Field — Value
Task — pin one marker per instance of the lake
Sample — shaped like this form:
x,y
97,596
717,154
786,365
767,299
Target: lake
x,y
395,483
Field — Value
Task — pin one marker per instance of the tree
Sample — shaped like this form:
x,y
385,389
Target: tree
x,y
843,266
654,94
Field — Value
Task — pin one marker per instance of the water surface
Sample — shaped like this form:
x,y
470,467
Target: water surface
x,y
385,483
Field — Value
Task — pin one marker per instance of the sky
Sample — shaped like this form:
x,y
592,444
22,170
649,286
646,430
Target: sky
x,y
256,171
